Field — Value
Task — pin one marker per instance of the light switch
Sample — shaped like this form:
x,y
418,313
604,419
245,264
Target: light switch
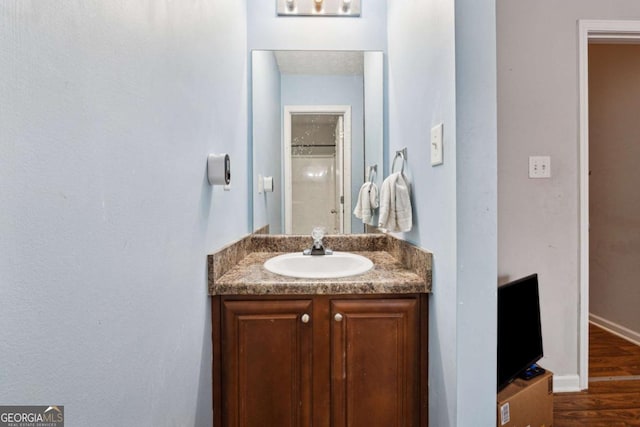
x,y
539,167
436,145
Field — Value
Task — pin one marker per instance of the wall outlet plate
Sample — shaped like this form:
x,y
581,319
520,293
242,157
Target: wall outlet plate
x,y
539,167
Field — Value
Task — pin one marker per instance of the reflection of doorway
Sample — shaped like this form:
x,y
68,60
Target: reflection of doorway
x,y
317,162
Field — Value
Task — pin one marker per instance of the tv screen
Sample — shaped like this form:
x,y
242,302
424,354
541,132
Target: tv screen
x,y
519,330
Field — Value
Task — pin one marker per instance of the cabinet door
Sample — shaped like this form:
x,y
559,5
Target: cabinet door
x,y
267,363
374,363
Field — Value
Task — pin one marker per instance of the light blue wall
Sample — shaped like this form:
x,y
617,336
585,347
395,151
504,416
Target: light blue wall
x,y
476,176
267,140
422,94
108,112
298,89
451,199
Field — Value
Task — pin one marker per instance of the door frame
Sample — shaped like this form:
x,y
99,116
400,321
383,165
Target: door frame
x,y
343,153
613,31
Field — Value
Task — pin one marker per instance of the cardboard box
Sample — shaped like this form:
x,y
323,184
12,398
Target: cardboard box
x,y
527,403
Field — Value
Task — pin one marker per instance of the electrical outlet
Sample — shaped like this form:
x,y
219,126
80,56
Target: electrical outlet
x,y
539,167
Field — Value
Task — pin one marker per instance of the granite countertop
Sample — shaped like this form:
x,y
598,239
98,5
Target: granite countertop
x,y
399,267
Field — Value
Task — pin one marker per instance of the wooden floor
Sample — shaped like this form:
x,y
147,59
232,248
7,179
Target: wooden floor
x,y
613,398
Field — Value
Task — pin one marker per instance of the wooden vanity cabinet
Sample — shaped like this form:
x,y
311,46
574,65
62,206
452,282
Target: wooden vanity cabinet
x,y
267,361
374,362
339,361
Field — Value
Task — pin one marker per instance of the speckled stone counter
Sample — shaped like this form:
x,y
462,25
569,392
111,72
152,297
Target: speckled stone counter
x,y
399,267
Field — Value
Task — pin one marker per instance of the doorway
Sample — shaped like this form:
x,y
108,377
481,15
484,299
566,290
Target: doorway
x,y
590,32
614,204
317,169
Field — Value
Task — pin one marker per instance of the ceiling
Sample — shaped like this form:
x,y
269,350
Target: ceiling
x,y
320,62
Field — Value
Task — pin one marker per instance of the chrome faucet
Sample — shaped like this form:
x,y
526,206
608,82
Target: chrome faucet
x,y
317,249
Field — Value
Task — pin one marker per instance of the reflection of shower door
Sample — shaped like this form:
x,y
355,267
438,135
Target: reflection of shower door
x,y
317,163
314,193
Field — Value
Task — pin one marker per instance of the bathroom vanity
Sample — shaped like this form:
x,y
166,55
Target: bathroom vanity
x,y
349,351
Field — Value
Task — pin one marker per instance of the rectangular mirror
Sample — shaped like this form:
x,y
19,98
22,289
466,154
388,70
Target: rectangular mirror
x,y
317,121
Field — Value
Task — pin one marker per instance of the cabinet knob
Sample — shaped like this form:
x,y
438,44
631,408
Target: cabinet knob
x,y
338,317
305,318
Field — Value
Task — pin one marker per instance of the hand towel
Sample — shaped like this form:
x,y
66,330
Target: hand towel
x,y
395,204
367,203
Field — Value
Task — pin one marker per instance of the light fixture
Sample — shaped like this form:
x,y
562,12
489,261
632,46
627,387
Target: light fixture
x,y
319,8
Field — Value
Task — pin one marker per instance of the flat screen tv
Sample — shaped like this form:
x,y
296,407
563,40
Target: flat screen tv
x,y
519,330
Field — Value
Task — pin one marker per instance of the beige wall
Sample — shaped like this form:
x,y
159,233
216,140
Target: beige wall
x,y
538,115
614,200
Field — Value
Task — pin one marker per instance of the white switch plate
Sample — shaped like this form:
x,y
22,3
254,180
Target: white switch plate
x,y
539,167
436,145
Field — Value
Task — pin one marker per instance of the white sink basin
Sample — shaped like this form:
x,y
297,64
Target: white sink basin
x,y
339,264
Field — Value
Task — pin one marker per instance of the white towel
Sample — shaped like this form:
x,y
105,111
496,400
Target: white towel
x,y
367,203
395,204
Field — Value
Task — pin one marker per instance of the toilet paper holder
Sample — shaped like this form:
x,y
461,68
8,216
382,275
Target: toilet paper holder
x,y
219,169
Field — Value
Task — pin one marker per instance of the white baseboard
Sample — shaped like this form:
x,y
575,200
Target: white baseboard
x,y
614,328
571,383
566,383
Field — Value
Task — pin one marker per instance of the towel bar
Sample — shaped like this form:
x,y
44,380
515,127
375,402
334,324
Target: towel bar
x,y
399,153
373,171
